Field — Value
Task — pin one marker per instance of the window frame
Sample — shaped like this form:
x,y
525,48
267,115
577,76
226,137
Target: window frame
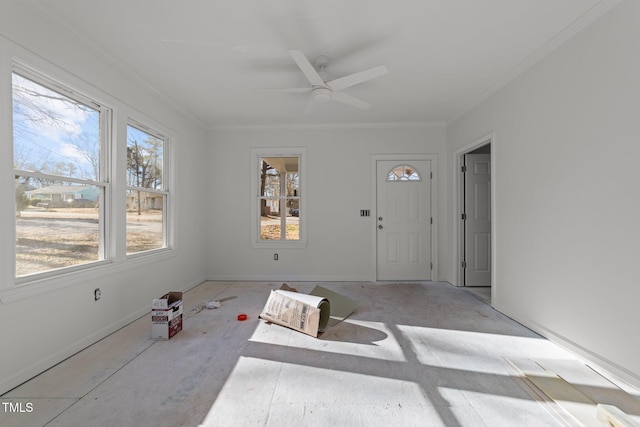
x,y
404,177
103,180
256,155
166,193
12,288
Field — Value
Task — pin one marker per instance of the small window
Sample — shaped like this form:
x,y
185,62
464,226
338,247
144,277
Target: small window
x,y
278,203
403,173
60,179
279,198
146,190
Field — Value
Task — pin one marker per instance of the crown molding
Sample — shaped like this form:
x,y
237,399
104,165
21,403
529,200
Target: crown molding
x,y
558,40
326,126
49,15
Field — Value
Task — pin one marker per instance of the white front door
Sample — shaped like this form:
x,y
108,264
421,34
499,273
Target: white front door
x,y
403,219
477,220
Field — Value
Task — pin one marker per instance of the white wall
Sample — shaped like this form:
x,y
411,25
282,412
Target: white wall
x,y
565,150
45,322
339,186
567,195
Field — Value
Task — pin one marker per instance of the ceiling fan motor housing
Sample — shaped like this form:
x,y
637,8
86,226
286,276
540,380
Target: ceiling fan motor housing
x,y
324,89
321,93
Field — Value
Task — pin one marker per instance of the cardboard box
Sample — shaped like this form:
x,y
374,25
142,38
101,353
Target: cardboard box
x,y
166,316
311,313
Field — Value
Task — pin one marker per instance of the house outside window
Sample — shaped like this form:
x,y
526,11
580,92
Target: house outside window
x,y
59,139
279,197
147,189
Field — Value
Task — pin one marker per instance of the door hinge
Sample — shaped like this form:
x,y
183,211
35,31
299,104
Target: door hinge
x,y
431,220
464,168
464,264
431,175
432,266
464,216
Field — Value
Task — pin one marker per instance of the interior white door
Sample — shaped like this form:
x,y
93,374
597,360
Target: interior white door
x,y
477,222
403,219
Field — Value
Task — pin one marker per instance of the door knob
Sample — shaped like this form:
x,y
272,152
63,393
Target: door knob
x,y
380,227
379,218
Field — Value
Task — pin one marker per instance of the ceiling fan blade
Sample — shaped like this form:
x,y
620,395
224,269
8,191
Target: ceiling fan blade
x,y
350,100
310,73
357,78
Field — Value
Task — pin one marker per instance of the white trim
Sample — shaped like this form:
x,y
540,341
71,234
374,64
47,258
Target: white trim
x,y
7,183
168,162
51,359
54,177
433,159
457,197
54,280
256,153
14,57
602,364
558,40
35,68
50,14
26,72
288,277
329,126
105,175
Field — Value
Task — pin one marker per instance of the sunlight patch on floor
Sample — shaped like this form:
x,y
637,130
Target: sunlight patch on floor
x,y
474,351
297,394
351,337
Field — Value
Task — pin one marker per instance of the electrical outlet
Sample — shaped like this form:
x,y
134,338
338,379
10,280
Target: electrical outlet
x,y
97,294
275,257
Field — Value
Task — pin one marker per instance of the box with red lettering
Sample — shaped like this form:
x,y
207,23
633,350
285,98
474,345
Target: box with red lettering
x,y
166,316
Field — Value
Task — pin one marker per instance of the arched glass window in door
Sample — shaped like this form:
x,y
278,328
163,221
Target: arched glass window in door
x,y
403,172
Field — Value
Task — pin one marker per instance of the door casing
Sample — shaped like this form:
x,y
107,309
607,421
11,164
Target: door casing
x,y
457,209
434,205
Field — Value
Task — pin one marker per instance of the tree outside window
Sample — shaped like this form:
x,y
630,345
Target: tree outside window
x,y
59,184
279,198
146,190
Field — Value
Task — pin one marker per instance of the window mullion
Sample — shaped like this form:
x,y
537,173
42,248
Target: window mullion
x,y
283,205
147,225
276,182
53,177
59,179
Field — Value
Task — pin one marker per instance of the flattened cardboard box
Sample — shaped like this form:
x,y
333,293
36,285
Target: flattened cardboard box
x,y
311,313
166,316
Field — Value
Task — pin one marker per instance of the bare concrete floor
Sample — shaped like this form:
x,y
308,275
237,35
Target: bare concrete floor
x,y
482,292
412,354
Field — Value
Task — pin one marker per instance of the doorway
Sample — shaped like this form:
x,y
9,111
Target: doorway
x,y
475,216
404,218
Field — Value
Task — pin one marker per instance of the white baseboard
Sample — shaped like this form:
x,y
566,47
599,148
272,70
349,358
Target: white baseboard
x,y
605,366
53,359
292,278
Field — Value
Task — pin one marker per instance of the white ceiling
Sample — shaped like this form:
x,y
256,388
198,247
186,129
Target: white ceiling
x,y
214,59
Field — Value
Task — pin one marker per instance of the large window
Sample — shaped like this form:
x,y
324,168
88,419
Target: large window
x,y
65,199
60,175
279,206
147,190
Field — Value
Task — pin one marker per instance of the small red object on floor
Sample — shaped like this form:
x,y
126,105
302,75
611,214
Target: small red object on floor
x,y
242,317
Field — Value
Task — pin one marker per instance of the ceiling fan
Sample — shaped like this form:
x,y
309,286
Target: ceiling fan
x,y
322,89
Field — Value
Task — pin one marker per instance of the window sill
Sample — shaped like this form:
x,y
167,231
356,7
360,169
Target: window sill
x,y
32,286
279,244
